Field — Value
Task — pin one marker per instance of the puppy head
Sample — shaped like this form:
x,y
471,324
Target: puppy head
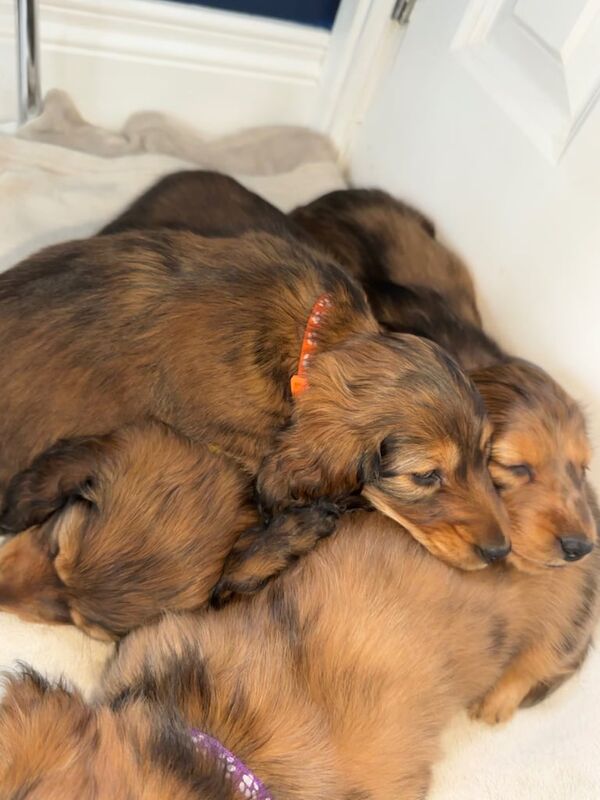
x,y
130,531
398,417
55,747
540,453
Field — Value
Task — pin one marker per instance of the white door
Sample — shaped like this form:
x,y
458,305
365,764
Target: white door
x,y
487,118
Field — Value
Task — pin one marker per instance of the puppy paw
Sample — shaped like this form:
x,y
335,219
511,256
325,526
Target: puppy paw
x,y
497,706
263,552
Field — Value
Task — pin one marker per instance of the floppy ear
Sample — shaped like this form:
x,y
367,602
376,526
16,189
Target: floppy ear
x,y
299,470
60,473
304,467
24,691
38,723
29,585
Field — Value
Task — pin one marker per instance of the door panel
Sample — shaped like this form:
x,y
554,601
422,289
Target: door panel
x,y
538,60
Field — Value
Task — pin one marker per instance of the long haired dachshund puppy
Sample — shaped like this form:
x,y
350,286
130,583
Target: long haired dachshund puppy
x,y
208,203
204,334
335,682
416,285
149,521
352,226
379,239
540,450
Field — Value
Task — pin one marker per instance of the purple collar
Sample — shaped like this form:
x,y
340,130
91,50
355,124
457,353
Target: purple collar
x,y
247,784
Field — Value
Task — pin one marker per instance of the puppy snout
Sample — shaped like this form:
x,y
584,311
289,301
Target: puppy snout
x,y
575,546
493,553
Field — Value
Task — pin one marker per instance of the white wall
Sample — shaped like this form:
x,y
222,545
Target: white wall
x,y
529,229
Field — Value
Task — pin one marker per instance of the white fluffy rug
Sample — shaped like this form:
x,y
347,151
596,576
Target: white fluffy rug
x,y
49,193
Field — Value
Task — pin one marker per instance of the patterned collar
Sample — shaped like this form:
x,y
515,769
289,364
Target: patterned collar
x,y
247,785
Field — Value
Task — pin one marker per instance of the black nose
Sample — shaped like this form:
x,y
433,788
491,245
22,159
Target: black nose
x,y
494,552
575,547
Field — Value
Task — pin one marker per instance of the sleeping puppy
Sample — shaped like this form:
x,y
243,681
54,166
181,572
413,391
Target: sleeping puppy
x,y
335,682
149,519
205,335
439,299
213,204
379,239
208,203
540,449
416,285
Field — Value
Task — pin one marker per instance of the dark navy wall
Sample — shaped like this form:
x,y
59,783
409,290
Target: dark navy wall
x,y
309,12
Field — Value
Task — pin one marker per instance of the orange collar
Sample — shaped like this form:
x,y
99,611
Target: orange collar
x,y
299,381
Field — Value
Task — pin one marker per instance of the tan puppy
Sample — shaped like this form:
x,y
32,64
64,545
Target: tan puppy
x,y
335,682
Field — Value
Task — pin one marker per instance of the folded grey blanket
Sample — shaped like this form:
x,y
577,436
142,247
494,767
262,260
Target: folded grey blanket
x,y
256,151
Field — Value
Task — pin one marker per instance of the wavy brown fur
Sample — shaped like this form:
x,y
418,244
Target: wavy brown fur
x,y
204,334
416,285
335,682
540,449
147,520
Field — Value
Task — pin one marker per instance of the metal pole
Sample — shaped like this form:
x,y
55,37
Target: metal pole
x,y
28,55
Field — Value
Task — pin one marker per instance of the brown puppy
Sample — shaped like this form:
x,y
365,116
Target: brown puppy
x,y
207,203
212,204
539,458
416,285
540,449
380,239
138,747
204,334
335,682
149,521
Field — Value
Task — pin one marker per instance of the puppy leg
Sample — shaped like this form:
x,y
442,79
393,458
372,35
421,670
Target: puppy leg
x,y
544,689
539,669
533,667
54,476
501,702
263,552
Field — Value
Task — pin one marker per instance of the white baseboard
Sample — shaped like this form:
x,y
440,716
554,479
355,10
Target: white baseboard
x,y
217,70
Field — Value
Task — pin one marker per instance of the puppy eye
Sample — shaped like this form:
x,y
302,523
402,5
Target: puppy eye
x,y
430,478
521,471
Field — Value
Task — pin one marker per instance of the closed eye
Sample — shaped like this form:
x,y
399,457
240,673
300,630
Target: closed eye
x,y
518,470
430,478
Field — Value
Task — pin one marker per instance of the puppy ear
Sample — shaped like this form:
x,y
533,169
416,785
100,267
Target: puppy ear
x,y
304,466
39,721
62,472
29,585
23,691
370,464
